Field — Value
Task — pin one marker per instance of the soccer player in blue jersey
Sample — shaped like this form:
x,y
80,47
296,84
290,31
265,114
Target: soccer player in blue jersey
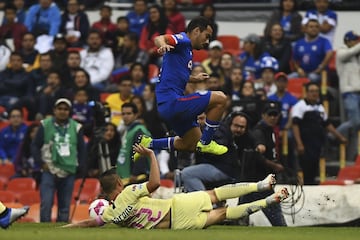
x,y
178,110
133,207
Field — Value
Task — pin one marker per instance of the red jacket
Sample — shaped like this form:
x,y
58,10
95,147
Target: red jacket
x,y
16,31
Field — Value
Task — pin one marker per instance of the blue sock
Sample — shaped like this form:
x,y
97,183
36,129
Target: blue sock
x,y
209,130
163,143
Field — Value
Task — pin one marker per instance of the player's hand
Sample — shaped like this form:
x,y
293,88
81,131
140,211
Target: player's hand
x,y
142,150
165,48
201,77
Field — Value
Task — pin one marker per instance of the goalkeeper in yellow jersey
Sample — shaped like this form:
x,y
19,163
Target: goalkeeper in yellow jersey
x,y
133,207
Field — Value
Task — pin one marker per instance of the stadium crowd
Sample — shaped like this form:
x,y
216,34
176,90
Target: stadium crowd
x,y
47,54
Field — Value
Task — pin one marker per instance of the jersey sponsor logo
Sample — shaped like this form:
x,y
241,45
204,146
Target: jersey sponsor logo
x,y
124,215
314,48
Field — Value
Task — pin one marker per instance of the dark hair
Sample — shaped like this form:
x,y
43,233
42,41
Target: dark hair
x,y
133,37
10,6
16,109
28,33
108,180
200,22
308,85
15,53
159,27
95,31
87,75
106,7
122,18
208,5
73,52
230,117
142,101
135,64
44,54
132,106
295,8
26,142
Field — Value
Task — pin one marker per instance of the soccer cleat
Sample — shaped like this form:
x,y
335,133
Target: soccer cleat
x,y
267,184
12,215
278,197
144,141
212,148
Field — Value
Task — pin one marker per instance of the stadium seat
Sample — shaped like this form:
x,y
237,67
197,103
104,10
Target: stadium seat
x,y
3,182
357,161
103,96
167,183
90,190
29,197
199,55
346,176
229,42
296,86
81,212
19,185
7,196
7,170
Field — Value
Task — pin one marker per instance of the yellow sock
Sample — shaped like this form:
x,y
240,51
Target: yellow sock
x,y
245,209
2,207
234,190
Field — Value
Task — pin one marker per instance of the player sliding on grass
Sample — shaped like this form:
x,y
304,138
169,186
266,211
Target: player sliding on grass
x,y
178,110
10,215
133,207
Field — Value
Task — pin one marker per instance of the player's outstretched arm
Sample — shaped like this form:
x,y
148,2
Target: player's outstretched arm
x,y
164,43
84,223
154,178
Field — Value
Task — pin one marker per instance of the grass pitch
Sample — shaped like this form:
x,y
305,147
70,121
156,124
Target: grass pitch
x,y
41,231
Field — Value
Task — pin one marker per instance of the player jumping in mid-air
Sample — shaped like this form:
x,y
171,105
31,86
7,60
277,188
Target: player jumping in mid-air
x,y
178,110
133,207
10,215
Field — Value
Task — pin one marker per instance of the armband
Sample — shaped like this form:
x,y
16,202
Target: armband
x,y
170,39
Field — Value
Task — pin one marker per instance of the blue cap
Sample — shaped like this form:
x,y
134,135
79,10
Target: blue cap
x,y
350,36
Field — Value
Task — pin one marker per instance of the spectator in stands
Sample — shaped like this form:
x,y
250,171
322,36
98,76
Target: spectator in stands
x,y
140,105
24,161
288,17
59,53
130,53
48,95
59,149
116,100
250,58
11,136
28,52
176,18
327,19
213,83
309,122
72,65
311,54
20,11
106,26
226,65
138,77
266,160
212,63
278,47
128,170
74,24
233,87
287,101
81,110
224,169
43,18
269,67
208,10
39,75
97,60
348,69
14,82
158,25
122,28
12,30
138,17
82,81
5,53
112,138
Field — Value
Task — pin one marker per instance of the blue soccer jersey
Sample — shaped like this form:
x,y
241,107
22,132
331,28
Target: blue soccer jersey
x,y
176,69
309,55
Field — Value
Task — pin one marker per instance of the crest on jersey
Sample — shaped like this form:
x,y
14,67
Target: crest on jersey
x,y
179,36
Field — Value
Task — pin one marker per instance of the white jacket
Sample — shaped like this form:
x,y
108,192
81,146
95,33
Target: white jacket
x,y
348,68
98,64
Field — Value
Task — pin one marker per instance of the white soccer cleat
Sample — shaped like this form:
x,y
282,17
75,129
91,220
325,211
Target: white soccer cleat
x,y
12,215
267,184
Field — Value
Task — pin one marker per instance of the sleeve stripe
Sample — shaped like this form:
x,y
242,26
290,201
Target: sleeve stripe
x,y
171,39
